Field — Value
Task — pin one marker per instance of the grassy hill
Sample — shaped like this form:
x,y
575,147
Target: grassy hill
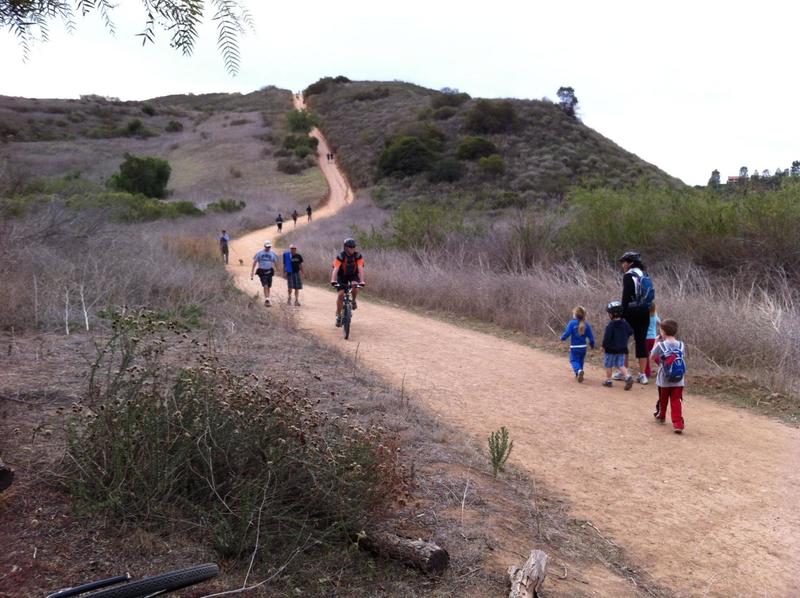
x,y
219,146
542,151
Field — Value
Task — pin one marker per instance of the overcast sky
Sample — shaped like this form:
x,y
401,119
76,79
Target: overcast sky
x,y
688,86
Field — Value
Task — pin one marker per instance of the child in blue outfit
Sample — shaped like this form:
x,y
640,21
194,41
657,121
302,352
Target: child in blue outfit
x,y
579,333
615,344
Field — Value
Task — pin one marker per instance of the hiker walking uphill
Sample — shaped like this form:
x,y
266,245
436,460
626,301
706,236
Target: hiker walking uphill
x,y
308,212
638,295
294,218
223,246
279,222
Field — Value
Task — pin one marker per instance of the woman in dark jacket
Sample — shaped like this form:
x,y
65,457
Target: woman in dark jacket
x,y
636,315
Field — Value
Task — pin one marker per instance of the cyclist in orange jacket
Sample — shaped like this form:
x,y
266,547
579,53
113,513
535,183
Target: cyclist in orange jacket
x,y
348,267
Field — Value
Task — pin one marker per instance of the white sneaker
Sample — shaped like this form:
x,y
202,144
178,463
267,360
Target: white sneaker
x,y
617,375
642,379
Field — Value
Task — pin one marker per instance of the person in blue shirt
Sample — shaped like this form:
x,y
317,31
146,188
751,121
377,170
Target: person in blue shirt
x,y
265,260
293,268
580,334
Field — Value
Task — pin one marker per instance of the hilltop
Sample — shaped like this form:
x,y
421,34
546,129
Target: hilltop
x,y
541,151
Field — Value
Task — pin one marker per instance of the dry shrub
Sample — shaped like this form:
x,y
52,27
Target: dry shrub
x,y
203,250
250,464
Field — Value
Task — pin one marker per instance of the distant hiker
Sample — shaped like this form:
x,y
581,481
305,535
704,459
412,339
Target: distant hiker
x,y
294,218
223,246
308,212
580,334
279,222
652,333
668,353
265,260
293,268
638,295
615,344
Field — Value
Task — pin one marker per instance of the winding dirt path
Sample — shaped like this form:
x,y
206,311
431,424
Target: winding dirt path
x,y
715,512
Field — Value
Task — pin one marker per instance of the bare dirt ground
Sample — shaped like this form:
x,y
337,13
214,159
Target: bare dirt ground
x,y
710,513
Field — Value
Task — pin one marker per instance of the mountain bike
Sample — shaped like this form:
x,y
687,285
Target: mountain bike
x,y
347,304
149,586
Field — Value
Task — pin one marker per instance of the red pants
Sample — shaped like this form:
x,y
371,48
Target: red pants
x,y
650,344
673,395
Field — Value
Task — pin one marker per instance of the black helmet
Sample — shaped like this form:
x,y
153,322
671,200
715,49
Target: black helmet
x,y
614,308
630,256
350,243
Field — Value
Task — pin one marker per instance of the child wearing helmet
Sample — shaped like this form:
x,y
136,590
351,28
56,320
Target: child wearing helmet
x,y
615,344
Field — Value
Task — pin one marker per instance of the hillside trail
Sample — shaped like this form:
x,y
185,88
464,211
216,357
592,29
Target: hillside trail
x,y
712,512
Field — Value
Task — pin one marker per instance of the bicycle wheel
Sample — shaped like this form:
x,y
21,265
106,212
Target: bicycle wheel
x,y
166,582
347,315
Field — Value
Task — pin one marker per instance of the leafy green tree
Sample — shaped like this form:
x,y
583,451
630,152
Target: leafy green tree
x,y
743,172
714,181
490,117
795,171
568,101
30,20
142,174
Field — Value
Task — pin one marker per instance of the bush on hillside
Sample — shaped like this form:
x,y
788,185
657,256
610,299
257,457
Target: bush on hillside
x,y
136,128
406,156
251,465
302,121
174,126
291,165
142,174
133,207
431,135
226,205
301,145
447,170
375,93
472,148
454,100
444,113
492,166
490,117
323,85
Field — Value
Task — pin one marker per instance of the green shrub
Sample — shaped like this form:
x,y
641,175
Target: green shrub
x,y
444,113
406,156
499,449
447,170
416,226
174,126
492,165
302,121
454,100
431,135
300,145
319,87
472,148
250,465
226,205
129,207
149,110
237,122
142,174
490,117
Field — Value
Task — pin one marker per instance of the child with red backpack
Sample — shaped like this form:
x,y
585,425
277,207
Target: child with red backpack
x,y
668,354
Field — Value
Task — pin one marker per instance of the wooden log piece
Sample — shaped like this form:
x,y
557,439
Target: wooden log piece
x,y
527,581
425,556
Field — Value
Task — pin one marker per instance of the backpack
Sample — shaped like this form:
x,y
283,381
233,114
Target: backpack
x,y
349,265
645,291
672,363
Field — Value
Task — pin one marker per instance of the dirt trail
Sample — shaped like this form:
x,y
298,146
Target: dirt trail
x,y
711,513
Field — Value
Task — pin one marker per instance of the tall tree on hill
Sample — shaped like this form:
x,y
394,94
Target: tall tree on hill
x,y
714,181
795,168
568,101
743,172
30,20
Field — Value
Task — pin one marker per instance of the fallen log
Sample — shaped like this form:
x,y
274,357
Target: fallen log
x,y
425,556
527,581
